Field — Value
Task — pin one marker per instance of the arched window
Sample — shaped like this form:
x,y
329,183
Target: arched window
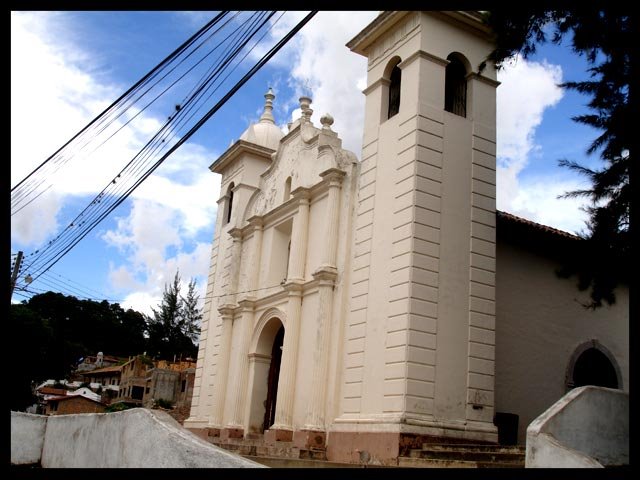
x,y
594,368
229,203
455,87
394,91
287,190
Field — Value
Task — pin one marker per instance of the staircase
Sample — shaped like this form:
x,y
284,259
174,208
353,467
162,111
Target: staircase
x,y
257,448
431,455
464,456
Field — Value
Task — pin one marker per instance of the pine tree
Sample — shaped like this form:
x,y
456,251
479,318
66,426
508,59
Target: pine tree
x,y
191,313
607,37
173,328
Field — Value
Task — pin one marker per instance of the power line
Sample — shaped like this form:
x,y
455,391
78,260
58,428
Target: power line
x,y
133,88
113,197
48,256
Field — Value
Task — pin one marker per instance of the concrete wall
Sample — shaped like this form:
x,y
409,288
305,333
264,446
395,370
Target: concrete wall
x,y
165,385
588,427
540,322
133,438
27,437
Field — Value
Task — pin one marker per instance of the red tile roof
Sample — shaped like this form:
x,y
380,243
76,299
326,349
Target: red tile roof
x,y
69,397
52,391
113,369
523,221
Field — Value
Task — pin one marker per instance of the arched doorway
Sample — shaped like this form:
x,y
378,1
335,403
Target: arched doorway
x,y
592,364
264,369
272,380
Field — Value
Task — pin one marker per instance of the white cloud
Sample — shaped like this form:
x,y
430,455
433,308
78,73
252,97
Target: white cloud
x,y
145,287
142,302
320,62
33,224
159,233
67,92
527,89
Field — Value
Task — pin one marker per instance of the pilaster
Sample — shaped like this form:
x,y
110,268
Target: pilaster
x,y
220,382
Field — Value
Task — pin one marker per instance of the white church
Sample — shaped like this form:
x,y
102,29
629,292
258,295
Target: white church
x,y
369,304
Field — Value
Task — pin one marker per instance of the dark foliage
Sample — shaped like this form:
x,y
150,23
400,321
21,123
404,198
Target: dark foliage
x,y
54,331
174,327
607,36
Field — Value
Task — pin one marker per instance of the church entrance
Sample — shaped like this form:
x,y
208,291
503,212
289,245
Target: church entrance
x,y
593,367
265,357
272,380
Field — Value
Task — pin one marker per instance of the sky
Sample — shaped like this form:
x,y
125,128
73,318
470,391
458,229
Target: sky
x,y
66,67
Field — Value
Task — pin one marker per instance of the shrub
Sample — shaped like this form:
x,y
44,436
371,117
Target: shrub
x,y
162,403
117,407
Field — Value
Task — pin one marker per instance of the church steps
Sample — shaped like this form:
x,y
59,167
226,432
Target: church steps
x,y
478,456
257,447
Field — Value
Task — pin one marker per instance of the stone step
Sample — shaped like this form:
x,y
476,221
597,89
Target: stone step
x,y
475,447
412,462
468,455
279,462
313,454
501,464
282,450
236,441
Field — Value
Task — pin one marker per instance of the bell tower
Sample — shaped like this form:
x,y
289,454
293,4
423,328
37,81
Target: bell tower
x,y
420,340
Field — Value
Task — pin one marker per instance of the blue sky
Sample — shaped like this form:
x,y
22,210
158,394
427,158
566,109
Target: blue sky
x,y
68,66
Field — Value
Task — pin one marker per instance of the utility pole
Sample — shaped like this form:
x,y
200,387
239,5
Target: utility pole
x,y
14,273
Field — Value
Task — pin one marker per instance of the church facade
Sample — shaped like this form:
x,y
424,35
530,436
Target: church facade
x,y
363,306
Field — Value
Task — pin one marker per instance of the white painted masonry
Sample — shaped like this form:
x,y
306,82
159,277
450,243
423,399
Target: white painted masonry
x,y
405,317
602,439
136,438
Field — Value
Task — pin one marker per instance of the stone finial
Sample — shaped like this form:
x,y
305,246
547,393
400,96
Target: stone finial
x,y
326,120
267,115
306,110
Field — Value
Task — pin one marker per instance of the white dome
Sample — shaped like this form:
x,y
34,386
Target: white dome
x,y
264,133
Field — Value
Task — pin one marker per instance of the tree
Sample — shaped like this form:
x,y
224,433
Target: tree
x,y
32,342
173,328
60,330
191,313
606,36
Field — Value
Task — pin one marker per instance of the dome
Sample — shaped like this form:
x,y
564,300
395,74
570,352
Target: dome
x,y
264,133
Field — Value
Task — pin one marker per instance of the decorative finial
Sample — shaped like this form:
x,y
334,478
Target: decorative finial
x,y
326,120
267,116
306,111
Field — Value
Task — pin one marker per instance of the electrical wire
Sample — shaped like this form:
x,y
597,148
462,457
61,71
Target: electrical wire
x,y
127,93
67,234
48,255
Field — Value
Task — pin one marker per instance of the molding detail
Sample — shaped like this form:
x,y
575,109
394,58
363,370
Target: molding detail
x,y
426,55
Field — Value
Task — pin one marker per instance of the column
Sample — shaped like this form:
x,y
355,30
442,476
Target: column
x,y
241,355
238,384
316,408
289,362
220,383
326,276
299,234
256,256
334,177
295,279
236,260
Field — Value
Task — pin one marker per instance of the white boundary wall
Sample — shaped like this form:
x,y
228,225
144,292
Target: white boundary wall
x,y
588,427
132,438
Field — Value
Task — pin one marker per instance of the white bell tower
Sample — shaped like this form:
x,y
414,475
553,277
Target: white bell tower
x,y
425,233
